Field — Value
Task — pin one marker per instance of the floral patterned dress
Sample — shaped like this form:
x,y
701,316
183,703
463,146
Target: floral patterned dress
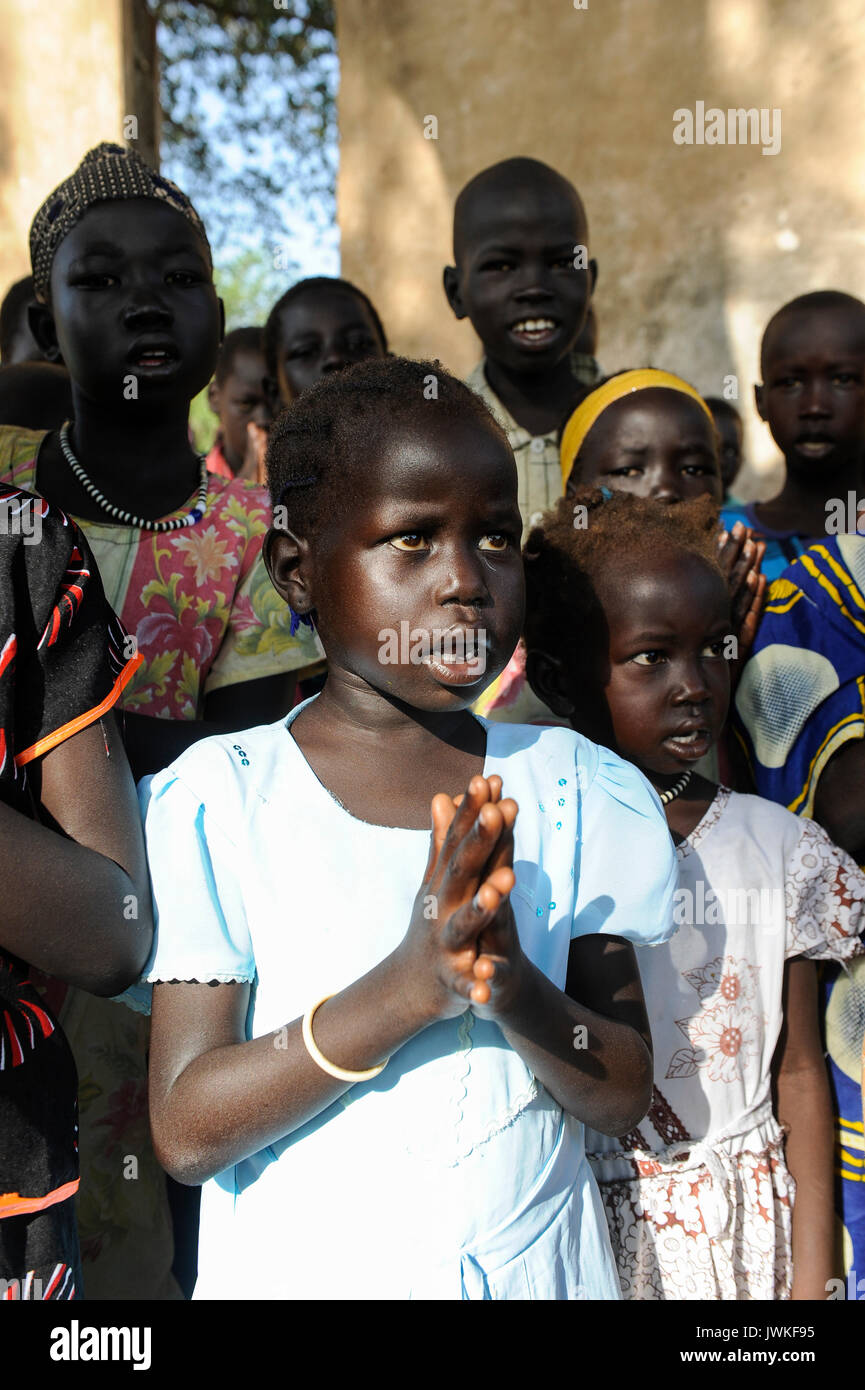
x,y
204,616
198,600
698,1196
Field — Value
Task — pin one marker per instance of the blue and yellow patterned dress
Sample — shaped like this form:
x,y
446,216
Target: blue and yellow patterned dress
x,y
801,698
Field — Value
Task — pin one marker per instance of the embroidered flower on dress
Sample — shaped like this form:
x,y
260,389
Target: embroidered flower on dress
x,y
731,979
724,1039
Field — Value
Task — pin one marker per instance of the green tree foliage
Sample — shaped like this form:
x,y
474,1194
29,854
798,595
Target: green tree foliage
x,y
248,97
249,285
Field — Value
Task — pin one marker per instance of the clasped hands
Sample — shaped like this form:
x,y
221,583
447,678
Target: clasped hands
x,y
462,948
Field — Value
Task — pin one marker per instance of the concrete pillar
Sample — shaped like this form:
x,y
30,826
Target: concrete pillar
x,y
62,91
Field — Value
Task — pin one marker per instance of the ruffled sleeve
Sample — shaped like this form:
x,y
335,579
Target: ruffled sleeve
x,y
626,866
825,899
201,928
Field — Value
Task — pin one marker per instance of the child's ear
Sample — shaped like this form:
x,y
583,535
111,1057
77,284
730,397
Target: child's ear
x,y
286,559
42,326
451,279
759,401
546,676
213,396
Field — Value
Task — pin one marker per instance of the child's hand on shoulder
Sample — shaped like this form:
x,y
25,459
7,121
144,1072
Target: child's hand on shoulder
x,y
462,948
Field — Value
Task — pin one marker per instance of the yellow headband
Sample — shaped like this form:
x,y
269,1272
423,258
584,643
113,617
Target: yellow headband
x,y
596,403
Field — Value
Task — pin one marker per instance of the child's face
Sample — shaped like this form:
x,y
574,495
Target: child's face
x,y
813,393
431,541
240,399
655,443
323,331
516,279
132,296
667,684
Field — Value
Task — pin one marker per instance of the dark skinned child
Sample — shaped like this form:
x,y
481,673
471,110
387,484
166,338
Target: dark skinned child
x,y
449,993
728,423
17,343
77,899
239,397
812,397
124,282
521,275
125,292
648,433
320,325
627,621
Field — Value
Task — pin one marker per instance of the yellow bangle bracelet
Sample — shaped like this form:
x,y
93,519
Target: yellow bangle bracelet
x,y
338,1073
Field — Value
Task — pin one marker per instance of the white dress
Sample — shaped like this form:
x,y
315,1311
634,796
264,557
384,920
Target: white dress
x,y
699,1198
454,1174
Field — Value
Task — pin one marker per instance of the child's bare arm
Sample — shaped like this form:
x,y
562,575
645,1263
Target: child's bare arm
x,y
216,1098
79,907
804,1107
839,805
590,1047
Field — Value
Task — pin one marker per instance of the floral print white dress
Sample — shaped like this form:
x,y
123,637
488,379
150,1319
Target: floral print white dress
x,y
698,1196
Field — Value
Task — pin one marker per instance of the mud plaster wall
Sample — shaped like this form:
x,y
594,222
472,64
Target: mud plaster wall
x,y
61,91
697,245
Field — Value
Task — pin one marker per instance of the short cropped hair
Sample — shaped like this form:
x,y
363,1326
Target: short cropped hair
x,y
719,406
815,301
331,431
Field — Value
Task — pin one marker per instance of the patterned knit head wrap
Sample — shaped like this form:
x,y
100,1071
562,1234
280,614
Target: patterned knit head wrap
x,y
105,173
